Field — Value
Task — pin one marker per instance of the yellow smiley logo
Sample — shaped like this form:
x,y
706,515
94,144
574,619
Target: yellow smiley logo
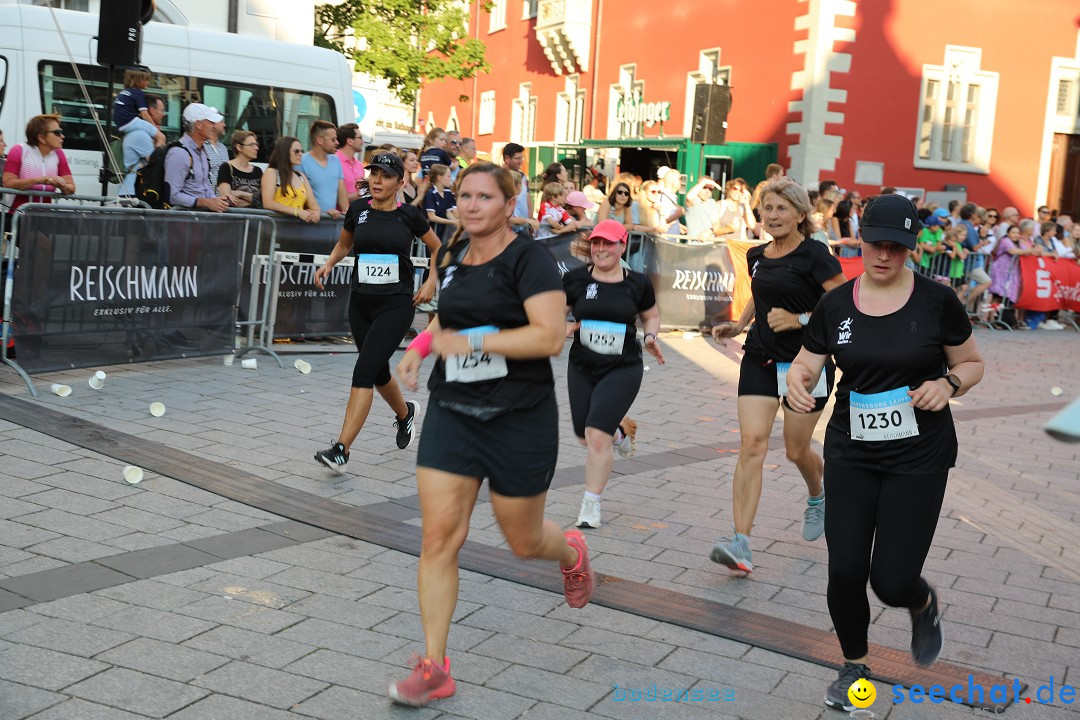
x,y
862,693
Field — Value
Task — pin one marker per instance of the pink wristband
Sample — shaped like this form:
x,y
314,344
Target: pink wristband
x,y
421,344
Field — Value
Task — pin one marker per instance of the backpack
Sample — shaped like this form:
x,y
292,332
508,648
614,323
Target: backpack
x,y
116,150
150,184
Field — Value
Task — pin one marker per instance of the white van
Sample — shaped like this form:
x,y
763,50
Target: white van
x,y
273,89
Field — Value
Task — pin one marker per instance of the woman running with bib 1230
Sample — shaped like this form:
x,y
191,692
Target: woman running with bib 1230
x,y
904,345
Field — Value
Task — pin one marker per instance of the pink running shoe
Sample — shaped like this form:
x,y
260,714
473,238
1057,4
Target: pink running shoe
x,y
427,682
579,581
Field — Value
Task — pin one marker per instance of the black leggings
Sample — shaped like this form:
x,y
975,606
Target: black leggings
x,y
602,401
378,323
894,514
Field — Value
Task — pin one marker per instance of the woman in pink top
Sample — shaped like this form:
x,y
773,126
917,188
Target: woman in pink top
x,y
39,164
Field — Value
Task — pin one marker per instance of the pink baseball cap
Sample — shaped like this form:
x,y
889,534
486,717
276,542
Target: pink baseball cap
x,y
578,199
610,230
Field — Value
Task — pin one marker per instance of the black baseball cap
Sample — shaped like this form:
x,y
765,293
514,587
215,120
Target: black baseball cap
x,y
890,218
389,163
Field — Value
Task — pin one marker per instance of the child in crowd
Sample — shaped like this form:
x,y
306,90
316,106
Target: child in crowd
x,y
554,220
129,108
957,254
929,241
440,203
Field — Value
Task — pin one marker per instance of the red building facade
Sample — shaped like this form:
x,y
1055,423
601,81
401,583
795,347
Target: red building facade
x,y
982,95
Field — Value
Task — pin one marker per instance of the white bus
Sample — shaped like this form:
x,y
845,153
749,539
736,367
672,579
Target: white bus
x,y
271,88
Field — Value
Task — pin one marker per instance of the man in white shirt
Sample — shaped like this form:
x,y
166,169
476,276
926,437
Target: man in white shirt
x,y
670,184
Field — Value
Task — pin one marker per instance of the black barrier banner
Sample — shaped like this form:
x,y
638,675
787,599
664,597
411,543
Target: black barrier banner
x,y
566,250
693,283
102,288
302,309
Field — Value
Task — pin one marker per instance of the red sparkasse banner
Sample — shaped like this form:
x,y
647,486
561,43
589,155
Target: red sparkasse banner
x,y
1047,284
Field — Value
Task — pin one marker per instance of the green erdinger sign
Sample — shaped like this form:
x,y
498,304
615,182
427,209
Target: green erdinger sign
x,y
634,112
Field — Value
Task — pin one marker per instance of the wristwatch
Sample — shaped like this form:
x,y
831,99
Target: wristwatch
x,y
804,319
954,382
476,342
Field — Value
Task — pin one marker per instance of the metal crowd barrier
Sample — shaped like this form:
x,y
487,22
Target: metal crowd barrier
x,y
69,255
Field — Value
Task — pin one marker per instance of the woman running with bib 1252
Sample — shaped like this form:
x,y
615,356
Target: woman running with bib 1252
x,y
904,345
379,233
605,369
501,317
789,274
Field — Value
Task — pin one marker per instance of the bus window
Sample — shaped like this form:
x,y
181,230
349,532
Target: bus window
x,y
267,111
3,80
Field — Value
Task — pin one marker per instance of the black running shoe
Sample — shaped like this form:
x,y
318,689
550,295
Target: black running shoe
x,y
927,636
334,458
837,694
406,427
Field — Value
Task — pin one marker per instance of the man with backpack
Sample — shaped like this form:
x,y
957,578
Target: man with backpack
x,y
187,169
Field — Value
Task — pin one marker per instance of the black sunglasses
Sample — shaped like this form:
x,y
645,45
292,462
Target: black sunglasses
x,y
55,132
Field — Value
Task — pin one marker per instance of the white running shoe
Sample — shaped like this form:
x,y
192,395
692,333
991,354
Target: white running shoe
x,y
589,516
627,447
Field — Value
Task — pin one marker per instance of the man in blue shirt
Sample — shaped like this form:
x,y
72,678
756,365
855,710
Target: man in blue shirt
x,y
513,158
139,144
322,167
187,169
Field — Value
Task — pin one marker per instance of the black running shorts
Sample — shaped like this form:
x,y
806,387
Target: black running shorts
x,y
757,376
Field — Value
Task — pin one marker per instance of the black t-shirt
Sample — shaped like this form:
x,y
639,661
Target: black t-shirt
x,y
244,181
432,156
382,245
493,295
899,351
792,283
441,202
600,344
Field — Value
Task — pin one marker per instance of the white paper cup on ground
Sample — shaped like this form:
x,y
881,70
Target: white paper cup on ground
x,y
97,380
60,389
133,474
229,359
250,364
157,409
303,366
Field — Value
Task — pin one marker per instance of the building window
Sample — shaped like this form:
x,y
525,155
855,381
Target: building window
x,y
486,124
528,9
523,118
570,112
1065,105
709,72
956,113
620,96
497,20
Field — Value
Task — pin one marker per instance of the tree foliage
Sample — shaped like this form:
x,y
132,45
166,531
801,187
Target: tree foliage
x,y
403,41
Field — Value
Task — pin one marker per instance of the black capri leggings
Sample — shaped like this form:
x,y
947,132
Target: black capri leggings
x,y
602,401
378,323
896,515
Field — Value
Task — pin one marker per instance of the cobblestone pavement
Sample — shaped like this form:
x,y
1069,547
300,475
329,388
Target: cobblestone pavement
x,y
162,600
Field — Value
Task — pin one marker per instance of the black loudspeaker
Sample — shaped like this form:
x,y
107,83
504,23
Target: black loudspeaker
x,y
120,31
711,106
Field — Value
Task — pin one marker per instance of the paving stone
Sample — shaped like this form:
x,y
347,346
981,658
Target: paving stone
x,y
520,624
21,701
164,505
539,654
250,590
80,608
219,707
158,561
306,556
15,620
46,669
136,692
72,550
250,616
76,709
13,487
69,637
343,638
11,601
407,625
358,613
338,703
467,667
249,567
68,501
64,581
153,594
167,660
324,583
12,508
549,687
269,650
240,543
137,519
66,523
165,626
20,535
260,684
350,671
224,520
619,645
721,669
35,564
